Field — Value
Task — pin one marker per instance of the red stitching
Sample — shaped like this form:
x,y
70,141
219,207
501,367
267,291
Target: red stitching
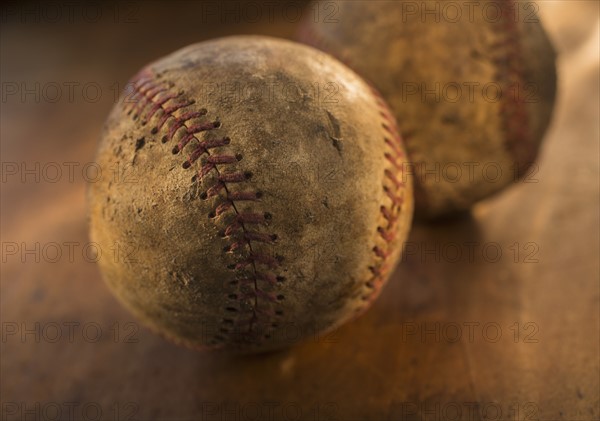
x,y
159,105
153,96
180,121
215,189
267,277
392,213
222,208
398,184
221,159
394,147
252,218
513,111
237,177
260,237
393,141
381,253
263,259
397,200
206,168
262,276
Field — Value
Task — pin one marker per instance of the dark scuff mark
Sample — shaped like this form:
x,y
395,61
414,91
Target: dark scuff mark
x,y
336,137
139,144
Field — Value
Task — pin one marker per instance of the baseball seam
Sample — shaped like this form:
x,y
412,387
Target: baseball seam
x,y
147,91
393,191
512,110
391,214
152,96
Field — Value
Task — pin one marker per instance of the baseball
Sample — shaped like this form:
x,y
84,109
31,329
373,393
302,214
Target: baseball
x,y
472,86
258,187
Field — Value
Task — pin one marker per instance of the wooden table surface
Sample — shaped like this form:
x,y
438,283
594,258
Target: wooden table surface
x,y
480,336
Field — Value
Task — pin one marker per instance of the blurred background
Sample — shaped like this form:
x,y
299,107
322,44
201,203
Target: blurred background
x,y
492,316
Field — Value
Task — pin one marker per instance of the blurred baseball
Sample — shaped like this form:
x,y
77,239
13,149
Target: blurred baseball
x,y
471,84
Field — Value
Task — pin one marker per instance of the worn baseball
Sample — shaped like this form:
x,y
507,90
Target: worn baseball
x,y
472,86
257,185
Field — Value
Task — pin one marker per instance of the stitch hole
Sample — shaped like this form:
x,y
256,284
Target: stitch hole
x,y
281,297
267,216
233,283
223,330
231,309
222,234
238,156
248,175
231,267
186,165
226,140
212,214
279,312
369,285
232,296
274,324
258,194
203,195
274,237
175,150
195,178
139,144
164,139
227,249
154,130
267,336
217,124
280,279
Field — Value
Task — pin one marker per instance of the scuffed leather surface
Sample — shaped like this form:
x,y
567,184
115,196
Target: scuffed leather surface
x,y
317,157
